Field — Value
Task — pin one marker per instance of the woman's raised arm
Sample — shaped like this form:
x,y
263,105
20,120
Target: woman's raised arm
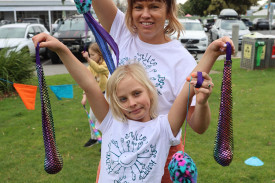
x,y
106,12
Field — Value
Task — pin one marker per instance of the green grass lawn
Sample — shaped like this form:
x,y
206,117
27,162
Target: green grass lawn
x,y
22,149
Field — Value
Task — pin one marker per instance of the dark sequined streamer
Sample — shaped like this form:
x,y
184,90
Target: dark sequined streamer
x,y
223,150
53,162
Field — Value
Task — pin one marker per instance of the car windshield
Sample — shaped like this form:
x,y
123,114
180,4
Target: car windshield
x,y
262,20
30,21
12,32
192,26
227,24
73,24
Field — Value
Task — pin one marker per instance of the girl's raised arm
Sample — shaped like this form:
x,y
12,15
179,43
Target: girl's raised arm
x,y
106,12
79,72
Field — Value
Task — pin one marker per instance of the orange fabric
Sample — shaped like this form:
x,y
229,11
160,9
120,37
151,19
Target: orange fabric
x,y
98,172
166,176
27,94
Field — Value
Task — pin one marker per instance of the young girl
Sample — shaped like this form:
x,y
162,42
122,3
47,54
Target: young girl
x,y
135,141
99,69
142,33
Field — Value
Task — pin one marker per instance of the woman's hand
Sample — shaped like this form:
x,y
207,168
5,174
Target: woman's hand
x,y
218,47
202,93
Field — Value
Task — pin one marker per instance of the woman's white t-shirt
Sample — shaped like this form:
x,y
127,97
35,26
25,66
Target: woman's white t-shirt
x,y
167,65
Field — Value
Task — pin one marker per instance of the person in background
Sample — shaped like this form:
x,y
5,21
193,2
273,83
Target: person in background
x,y
99,69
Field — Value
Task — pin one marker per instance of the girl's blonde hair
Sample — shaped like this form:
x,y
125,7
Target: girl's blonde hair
x,y
95,48
173,26
137,72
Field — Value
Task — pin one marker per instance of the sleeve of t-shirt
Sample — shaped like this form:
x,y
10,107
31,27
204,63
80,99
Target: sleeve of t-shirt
x,y
106,123
191,65
118,27
166,128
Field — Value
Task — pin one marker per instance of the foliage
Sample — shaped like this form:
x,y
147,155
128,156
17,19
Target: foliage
x,y
16,67
209,7
199,7
241,6
22,150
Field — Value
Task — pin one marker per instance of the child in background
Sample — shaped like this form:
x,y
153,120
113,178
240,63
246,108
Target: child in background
x,y
135,141
99,69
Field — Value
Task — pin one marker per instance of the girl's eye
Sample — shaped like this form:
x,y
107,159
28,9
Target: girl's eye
x,y
122,99
137,93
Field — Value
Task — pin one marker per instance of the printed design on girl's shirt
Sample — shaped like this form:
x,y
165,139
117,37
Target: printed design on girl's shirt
x,y
150,64
125,156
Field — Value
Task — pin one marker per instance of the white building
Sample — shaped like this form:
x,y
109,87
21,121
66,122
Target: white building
x,y
48,10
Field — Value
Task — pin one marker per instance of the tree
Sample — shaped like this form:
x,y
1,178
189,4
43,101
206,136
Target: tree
x,y
193,7
241,6
198,7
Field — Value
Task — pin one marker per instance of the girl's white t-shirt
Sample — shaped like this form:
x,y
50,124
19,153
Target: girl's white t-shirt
x,y
135,151
167,65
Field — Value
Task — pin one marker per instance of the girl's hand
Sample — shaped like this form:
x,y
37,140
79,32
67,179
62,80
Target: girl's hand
x,y
84,99
218,47
47,41
202,93
85,55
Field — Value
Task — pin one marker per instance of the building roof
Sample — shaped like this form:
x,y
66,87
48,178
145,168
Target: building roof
x,y
35,5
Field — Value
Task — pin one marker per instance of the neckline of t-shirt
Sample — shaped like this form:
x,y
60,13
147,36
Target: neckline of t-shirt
x,y
163,45
140,123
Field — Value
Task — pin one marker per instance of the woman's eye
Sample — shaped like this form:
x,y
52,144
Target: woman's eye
x,y
137,7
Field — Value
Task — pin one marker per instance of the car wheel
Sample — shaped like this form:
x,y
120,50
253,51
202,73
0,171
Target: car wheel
x,y
54,58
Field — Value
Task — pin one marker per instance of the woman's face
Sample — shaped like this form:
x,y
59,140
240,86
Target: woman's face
x,y
149,19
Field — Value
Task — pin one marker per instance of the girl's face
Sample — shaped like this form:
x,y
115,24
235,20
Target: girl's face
x,y
94,56
134,98
149,19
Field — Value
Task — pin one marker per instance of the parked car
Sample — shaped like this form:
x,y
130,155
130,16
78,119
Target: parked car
x,y
223,25
18,36
57,24
260,23
208,23
35,21
273,24
248,23
194,37
4,22
72,32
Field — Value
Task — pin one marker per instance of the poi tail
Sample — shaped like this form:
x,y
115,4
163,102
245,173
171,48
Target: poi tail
x,y
223,150
53,162
98,136
181,167
102,37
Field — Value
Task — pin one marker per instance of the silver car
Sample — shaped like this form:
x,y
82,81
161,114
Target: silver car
x,y
194,37
18,36
223,25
